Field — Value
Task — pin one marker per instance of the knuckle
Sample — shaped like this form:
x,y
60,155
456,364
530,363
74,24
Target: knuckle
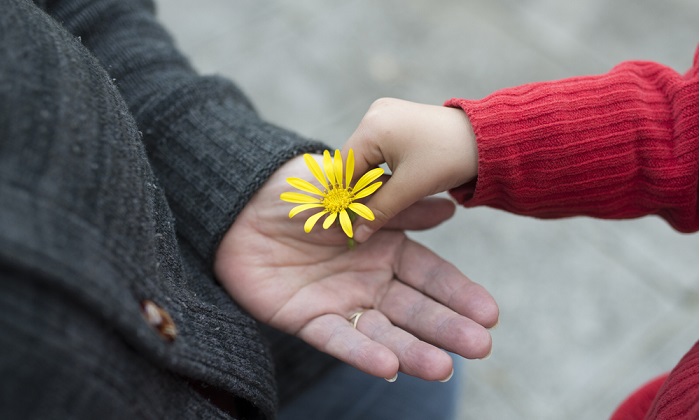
x,y
378,118
384,102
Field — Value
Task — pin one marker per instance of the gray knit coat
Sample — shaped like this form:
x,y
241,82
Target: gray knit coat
x,y
120,170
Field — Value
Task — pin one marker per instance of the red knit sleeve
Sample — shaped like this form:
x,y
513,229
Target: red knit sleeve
x,y
678,396
618,145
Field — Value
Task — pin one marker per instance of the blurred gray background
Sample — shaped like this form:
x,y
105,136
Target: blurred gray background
x,y
590,309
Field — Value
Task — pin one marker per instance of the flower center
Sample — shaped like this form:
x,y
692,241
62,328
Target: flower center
x,y
337,199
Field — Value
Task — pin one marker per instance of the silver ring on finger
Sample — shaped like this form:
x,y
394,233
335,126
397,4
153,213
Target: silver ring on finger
x,y
355,318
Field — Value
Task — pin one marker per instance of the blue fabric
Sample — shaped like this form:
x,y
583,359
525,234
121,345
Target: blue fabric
x,y
345,393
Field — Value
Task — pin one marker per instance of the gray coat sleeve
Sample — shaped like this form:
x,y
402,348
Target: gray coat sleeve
x,y
207,145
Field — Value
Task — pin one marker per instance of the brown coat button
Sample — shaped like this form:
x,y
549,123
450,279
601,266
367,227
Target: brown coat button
x,y
159,319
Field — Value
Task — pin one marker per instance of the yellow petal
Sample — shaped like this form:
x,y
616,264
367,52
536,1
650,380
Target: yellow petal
x,y
304,185
367,191
338,168
362,210
345,223
298,209
315,169
367,179
329,220
299,198
349,168
311,221
328,167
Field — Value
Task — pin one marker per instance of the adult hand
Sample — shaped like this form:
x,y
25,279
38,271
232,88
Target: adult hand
x,y
429,149
308,285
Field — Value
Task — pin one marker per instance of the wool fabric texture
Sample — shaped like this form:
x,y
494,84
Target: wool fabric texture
x,y
120,170
618,145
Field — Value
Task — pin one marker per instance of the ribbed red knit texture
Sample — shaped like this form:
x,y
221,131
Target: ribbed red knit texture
x,y
636,406
618,145
678,397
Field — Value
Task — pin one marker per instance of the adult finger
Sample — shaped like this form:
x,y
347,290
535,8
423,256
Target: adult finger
x,y
416,358
426,272
335,335
424,214
435,323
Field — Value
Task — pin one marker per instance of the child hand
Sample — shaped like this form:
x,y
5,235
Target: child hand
x,y
429,149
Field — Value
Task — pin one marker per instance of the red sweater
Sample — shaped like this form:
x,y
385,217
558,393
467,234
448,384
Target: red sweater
x,y
618,145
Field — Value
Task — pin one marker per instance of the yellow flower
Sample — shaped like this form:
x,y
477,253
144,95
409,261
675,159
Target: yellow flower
x,y
336,197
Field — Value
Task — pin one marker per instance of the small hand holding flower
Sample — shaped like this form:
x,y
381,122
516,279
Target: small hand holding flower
x,y
338,197
429,149
310,284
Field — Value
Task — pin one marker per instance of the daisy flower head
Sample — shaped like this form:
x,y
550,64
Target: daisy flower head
x,y
336,198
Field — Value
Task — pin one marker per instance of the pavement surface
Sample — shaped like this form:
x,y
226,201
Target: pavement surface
x,y
590,309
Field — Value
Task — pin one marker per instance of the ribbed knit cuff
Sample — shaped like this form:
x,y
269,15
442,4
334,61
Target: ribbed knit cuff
x,y
618,145
211,153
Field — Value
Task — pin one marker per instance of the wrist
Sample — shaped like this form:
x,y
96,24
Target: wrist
x,y
465,148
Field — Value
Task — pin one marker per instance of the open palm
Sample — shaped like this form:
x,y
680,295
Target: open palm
x,y
308,285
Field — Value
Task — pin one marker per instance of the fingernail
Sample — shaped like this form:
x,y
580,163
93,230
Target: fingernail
x,y
363,233
498,321
392,379
488,355
449,377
